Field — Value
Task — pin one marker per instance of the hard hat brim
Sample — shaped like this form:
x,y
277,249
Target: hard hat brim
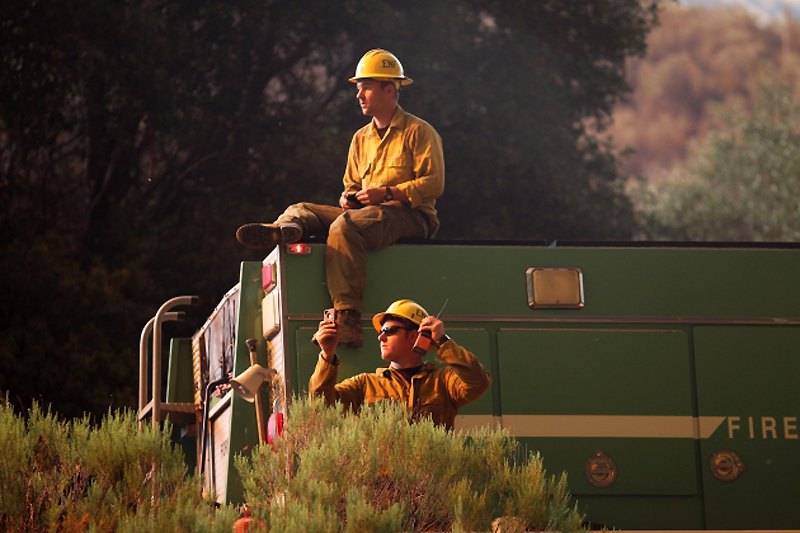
x,y
404,81
377,319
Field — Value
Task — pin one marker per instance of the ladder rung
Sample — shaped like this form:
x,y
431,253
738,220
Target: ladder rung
x,y
177,412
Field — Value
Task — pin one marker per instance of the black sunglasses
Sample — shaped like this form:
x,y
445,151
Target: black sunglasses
x,y
391,330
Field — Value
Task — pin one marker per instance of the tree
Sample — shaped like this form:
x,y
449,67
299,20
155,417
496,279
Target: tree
x,y
129,135
532,82
698,58
743,183
136,136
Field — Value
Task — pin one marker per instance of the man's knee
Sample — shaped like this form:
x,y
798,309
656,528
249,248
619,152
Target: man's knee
x,y
299,209
315,218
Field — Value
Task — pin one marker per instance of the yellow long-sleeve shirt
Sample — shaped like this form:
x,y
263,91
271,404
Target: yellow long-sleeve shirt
x,y
409,156
433,391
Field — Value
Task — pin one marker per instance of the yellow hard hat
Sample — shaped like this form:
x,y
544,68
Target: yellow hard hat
x,y
407,309
382,65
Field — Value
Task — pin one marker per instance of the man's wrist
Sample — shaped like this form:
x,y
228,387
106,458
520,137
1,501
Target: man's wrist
x,y
332,360
443,339
388,196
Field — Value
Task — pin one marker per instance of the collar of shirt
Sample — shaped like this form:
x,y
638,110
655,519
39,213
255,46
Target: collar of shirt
x,y
386,372
398,122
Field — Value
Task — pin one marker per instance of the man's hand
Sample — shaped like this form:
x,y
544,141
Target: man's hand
x,y
377,195
373,196
349,201
434,325
327,338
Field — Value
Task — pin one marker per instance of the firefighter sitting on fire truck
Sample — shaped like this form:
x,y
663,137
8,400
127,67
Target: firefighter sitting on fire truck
x,y
394,174
426,389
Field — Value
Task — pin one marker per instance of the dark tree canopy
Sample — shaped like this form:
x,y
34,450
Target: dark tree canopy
x,y
136,136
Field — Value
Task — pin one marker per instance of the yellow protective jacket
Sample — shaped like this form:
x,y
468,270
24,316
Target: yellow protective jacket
x,y
434,391
409,156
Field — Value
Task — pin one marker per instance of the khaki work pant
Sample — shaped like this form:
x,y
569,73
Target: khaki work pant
x,y
350,234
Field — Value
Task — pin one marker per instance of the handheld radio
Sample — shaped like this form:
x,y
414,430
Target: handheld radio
x,y
425,338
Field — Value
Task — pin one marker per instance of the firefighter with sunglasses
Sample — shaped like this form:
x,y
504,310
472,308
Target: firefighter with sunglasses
x,y
426,389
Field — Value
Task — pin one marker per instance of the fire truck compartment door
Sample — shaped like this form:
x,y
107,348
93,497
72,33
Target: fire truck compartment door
x,y
625,394
749,375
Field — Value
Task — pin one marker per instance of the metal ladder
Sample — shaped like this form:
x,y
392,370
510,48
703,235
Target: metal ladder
x,y
154,407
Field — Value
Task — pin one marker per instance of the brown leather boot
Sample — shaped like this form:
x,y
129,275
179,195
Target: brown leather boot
x,y
267,236
348,327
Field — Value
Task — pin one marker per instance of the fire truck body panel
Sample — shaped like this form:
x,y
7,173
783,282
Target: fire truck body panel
x,y
662,379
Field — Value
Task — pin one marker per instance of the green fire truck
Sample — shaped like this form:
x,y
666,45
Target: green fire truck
x,y
663,378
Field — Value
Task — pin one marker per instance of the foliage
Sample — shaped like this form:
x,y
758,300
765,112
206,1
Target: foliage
x,y
331,471
743,184
70,476
519,90
66,326
698,59
136,136
377,471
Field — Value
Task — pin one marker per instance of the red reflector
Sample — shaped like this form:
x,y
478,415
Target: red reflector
x,y
268,277
274,428
299,248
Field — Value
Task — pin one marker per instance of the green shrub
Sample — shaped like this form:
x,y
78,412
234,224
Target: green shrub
x,y
69,476
333,471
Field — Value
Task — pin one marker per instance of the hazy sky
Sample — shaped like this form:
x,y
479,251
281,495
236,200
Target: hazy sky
x,y
762,9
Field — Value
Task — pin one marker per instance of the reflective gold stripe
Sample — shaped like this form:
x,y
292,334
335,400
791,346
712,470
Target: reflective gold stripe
x,y
620,426
476,421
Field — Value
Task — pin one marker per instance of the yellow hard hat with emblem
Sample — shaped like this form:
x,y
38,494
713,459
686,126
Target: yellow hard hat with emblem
x,y
381,65
407,309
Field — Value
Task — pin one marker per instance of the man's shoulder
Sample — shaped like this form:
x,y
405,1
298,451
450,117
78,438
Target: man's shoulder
x,y
363,130
381,372
413,121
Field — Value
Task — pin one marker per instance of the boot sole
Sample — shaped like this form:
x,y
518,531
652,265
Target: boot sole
x,y
259,236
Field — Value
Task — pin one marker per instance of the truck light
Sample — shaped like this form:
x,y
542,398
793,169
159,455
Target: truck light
x,y
555,288
298,248
269,278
